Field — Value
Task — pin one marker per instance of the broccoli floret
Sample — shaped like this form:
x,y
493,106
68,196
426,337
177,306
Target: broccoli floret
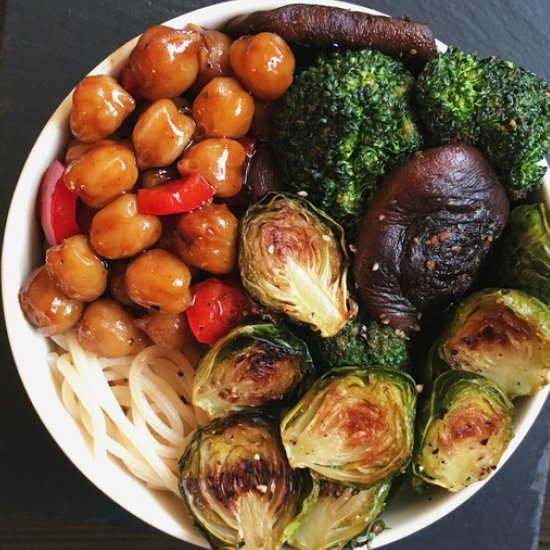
x,y
361,343
515,124
344,123
448,95
502,109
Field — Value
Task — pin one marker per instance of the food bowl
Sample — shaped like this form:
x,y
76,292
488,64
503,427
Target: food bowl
x,y
408,511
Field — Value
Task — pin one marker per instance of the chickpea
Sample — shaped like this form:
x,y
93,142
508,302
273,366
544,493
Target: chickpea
x,y
165,61
264,63
161,134
157,176
76,270
167,329
107,329
220,161
46,306
157,279
117,287
100,105
214,58
75,150
105,171
223,108
118,230
208,238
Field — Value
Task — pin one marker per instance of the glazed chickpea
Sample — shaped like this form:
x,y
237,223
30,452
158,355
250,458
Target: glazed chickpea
x,y
223,108
75,150
157,279
214,58
46,306
170,330
100,105
118,230
208,238
220,161
165,61
161,134
148,179
264,63
107,329
105,171
76,270
116,285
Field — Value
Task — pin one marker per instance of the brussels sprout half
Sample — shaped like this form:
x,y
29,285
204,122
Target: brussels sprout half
x,y
354,426
334,514
522,254
464,429
292,259
237,483
254,365
503,335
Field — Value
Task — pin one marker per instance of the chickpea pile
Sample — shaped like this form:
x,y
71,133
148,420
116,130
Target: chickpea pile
x,y
180,107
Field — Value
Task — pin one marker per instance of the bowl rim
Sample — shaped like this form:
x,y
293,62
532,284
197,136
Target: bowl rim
x,y
57,422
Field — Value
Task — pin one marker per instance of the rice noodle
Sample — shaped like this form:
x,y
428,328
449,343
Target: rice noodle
x,y
136,408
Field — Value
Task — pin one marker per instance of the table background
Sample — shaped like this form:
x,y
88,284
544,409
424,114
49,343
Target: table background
x,y
47,46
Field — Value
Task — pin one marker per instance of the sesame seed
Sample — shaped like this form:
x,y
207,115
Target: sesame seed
x,y
262,488
376,266
271,249
302,193
381,218
326,238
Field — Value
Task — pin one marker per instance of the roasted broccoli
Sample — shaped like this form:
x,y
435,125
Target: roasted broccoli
x,y
360,343
344,123
502,109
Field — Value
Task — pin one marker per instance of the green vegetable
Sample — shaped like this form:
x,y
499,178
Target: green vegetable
x,y
503,335
464,429
254,365
361,342
502,109
353,426
449,95
522,254
343,124
515,125
334,514
292,258
237,484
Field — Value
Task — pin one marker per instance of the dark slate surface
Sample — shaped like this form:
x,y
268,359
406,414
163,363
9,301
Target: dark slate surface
x,y
47,47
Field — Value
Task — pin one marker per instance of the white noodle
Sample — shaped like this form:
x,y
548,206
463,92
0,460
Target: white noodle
x,y
135,408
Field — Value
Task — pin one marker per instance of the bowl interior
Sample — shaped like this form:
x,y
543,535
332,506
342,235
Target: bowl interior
x,y
408,511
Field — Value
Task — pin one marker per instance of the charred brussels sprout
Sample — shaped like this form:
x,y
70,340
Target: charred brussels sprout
x,y
254,365
334,514
522,254
238,485
353,426
503,335
463,431
362,342
292,259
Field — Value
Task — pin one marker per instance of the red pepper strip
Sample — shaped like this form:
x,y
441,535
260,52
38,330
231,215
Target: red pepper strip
x,y
217,306
57,205
175,197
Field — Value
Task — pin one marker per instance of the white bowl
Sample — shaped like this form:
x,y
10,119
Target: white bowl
x,y
408,513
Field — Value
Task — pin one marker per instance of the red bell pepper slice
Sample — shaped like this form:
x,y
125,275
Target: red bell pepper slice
x,y
175,197
57,205
217,306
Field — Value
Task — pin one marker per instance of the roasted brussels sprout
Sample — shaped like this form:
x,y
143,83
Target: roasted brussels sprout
x,y
334,514
254,365
292,259
464,429
503,335
522,254
354,426
362,342
237,483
